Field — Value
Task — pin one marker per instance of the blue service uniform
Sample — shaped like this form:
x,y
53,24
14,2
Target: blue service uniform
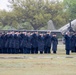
x,y
47,42
34,42
54,44
67,44
41,44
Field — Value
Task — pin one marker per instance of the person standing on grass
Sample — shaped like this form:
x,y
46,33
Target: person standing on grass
x,y
73,43
41,43
28,44
67,37
54,43
47,41
16,42
34,42
23,42
0,43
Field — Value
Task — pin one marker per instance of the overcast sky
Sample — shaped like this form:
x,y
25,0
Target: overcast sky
x,y
3,4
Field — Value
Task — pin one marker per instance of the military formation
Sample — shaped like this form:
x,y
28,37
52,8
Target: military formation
x,y
14,42
70,42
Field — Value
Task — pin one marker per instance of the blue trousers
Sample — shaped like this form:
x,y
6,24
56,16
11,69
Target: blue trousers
x,y
67,52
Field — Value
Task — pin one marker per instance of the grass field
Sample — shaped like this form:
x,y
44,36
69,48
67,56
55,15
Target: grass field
x,y
38,64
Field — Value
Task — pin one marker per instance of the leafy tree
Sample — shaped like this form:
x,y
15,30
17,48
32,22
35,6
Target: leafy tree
x,y
25,25
70,6
32,11
58,15
1,26
7,27
6,18
35,12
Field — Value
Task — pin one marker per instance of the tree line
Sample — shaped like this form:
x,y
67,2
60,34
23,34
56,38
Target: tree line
x,y
34,14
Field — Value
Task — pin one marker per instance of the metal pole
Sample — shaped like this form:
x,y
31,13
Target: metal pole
x,y
70,28
70,23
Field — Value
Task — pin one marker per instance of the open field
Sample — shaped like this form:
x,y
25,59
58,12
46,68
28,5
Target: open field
x,y
38,64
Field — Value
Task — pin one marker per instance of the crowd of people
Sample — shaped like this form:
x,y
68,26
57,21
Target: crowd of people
x,y
70,42
14,42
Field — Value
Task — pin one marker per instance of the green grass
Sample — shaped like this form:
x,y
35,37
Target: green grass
x,y
38,64
53,66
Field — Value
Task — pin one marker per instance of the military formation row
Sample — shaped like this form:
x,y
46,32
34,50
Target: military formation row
x,y
27,43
